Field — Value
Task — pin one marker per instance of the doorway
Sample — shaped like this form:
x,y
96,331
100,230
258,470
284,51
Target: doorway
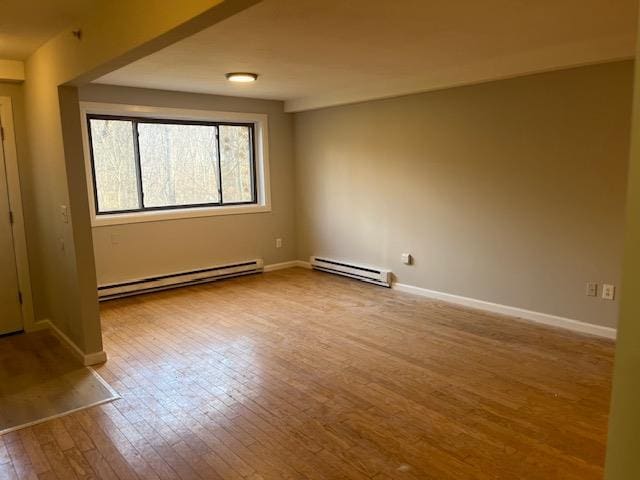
x,y
10,296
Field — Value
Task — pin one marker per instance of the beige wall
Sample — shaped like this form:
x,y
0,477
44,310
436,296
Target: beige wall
x,y
146,249
510,192
61,267
623,461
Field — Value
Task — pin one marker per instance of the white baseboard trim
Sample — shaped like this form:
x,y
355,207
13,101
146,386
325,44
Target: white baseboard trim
x,y
281,266
37,326
537,317
86,358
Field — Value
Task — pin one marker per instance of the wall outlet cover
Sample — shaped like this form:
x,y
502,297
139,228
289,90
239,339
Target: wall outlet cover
x,y
592,289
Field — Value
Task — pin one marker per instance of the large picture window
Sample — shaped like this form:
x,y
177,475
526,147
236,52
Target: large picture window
x,y
143,164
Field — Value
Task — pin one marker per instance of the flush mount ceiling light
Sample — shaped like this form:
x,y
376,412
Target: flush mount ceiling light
x,y
242,77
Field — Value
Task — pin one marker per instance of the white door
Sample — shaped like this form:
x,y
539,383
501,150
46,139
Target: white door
x,y
10,308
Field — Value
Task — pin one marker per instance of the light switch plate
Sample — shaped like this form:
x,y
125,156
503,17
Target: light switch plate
x,y
608,292
64,213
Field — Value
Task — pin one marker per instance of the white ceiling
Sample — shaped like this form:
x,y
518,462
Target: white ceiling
x,y
317,53
27,24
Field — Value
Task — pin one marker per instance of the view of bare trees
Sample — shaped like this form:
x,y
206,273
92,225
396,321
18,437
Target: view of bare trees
x,y
114,165
235,160
178,164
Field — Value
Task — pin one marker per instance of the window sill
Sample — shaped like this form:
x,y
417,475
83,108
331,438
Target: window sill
x,y
177,214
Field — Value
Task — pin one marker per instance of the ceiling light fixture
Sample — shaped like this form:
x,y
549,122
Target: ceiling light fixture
x,y
242,77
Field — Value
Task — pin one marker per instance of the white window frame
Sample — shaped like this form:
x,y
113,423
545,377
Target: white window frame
x,y
261,129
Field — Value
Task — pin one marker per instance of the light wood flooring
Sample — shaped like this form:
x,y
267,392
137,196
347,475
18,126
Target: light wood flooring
x,y
297,374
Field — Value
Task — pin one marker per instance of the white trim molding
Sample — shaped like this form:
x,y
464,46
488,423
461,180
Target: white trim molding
x,y
15,202
283,265
86,358
262,179
537,317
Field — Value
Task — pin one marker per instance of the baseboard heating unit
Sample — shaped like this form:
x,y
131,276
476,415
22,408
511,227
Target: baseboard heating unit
x,y
365,273
164,282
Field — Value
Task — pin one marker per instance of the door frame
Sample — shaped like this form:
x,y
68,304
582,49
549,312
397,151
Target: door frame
x,y
15,203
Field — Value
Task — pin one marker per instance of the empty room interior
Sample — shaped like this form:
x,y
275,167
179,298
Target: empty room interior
x,y
319,239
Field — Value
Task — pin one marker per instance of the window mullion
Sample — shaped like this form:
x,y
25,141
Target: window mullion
x,y
252,153
136,154
217,127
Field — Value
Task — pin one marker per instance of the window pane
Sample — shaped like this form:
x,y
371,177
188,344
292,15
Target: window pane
x,y
178,164
114,165
235,163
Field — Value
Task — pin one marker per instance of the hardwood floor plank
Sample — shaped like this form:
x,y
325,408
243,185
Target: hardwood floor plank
x,y
34,451
79,464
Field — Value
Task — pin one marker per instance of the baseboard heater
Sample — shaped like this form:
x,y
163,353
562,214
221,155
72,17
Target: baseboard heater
x,y
164,282
360,272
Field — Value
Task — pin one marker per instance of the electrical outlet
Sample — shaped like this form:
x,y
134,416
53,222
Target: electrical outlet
x,y
608,292
592,289
278,243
